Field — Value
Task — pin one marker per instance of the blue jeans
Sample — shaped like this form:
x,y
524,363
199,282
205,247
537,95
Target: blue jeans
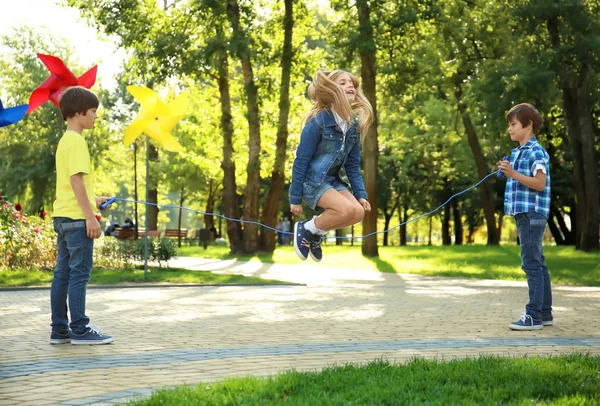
x,y
72,273
531,228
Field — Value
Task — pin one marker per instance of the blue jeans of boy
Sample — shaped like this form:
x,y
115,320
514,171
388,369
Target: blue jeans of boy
x,y
531,228
71,275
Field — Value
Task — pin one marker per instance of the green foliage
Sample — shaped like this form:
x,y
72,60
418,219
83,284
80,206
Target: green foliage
x,y
159,249
27,242
562,380
498,53
28,147
113,253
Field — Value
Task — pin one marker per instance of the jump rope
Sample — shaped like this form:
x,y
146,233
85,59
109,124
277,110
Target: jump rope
x,y
170,206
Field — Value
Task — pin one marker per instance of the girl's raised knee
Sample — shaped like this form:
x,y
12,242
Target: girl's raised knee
x,y
359,213
347,212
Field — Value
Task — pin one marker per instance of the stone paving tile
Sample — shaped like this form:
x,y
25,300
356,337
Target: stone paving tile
x,y
335,318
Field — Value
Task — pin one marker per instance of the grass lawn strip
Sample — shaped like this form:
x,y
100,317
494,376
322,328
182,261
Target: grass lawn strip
x,y
562,380
112,277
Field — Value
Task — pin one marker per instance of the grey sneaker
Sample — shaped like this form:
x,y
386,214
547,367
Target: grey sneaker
x,y
526,322
91,337
60,337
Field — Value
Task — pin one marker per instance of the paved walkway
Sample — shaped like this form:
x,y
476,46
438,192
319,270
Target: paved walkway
x,y
168,336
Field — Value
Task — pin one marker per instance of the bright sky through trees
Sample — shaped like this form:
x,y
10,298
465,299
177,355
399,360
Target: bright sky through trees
x,y
61,21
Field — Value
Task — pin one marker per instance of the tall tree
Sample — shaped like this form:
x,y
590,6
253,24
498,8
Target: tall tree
x,y
230,197
271,208
368,72
240,46
567,25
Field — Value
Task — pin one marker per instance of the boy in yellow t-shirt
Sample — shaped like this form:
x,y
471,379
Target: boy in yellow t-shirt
x,y
74,222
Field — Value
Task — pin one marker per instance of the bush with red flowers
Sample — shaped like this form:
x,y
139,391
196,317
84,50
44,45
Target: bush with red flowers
x,y
27,242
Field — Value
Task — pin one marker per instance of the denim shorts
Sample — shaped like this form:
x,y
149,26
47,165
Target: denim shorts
x,y
311,195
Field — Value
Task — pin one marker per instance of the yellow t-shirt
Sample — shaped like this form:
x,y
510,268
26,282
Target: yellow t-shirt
x,y
72,157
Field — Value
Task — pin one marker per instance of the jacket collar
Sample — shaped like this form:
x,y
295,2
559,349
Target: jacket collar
x,y
327,119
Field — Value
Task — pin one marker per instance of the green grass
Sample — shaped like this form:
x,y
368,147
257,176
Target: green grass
x,y
567,266
111,277
565,380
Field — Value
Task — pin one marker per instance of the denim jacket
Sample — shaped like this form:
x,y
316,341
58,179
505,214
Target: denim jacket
x,y
321,142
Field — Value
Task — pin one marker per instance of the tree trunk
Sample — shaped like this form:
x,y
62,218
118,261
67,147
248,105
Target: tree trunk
x,y
181,201
152,220
338,235
386,227
403,219
209,220
487,195
136,234
590,230
446,240
241,49
230,198
500,225
268,238
430,230
367,49
388,218
458,227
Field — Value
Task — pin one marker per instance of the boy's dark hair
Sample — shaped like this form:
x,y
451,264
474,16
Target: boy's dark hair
x,y
526,114
77,99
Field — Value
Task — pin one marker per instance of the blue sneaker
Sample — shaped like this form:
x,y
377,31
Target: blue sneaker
x,y
91,337
302,240
526,322
316,253
60,337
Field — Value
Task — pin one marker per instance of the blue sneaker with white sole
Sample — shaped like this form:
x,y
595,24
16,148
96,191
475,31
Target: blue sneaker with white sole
x,y
302,240
547,320
316,253
91,337
60,337
526,322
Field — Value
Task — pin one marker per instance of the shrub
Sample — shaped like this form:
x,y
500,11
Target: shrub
x,y
114,253
29,242
159,250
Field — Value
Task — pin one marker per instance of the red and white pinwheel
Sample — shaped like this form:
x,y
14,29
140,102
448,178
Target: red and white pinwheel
x,y
60,78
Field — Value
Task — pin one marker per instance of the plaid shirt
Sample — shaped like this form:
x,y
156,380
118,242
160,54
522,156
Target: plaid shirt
x,y
518,198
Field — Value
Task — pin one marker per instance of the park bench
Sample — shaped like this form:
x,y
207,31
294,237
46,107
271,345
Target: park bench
x,y
123,233
151,233
175,233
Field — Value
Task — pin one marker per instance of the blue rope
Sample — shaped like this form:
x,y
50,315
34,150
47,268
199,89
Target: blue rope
x,y
170,206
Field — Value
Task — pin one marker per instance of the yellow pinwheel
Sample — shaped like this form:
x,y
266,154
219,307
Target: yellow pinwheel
x,y
156,118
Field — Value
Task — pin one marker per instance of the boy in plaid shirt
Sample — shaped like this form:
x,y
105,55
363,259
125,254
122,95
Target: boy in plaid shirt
x,y
527,198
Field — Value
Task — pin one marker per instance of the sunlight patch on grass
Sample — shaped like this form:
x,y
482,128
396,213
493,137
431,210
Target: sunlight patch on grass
x,y
567,266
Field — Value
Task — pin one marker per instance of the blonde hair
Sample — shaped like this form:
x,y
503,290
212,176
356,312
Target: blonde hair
x,y
326,93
